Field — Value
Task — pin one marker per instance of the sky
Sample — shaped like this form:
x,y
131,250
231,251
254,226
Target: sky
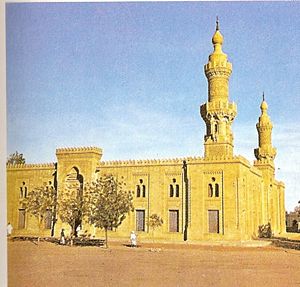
x,y
129,78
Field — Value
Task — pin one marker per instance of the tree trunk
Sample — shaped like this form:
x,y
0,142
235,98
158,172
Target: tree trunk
x,y
106,245
152,235
40,222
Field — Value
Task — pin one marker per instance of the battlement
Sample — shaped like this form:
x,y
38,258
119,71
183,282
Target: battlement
x,y
69,150
31,166
147,162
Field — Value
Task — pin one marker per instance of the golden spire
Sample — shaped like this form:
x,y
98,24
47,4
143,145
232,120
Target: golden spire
x,y
264,105
217,41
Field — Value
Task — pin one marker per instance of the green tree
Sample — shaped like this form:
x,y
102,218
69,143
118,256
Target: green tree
x,y
15,158
39,201
109,203
154,222
297,208
72,207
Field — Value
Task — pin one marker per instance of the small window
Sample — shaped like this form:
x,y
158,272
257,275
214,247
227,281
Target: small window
x,y
21,192
210,190
173,220
177,190
144,190
25,193
217,190
48,219
171,190
138,191
21,223
213,221
140,220
174,188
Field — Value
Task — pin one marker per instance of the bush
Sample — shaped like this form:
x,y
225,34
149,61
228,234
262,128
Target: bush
x,y
265,231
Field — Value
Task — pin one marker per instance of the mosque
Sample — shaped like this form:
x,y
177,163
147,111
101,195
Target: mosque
x,y
220,196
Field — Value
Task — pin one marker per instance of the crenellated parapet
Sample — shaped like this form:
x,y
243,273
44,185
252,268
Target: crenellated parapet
x,y
30,166
68,150
151,162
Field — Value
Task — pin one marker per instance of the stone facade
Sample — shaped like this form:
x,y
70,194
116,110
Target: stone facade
x,y
216,197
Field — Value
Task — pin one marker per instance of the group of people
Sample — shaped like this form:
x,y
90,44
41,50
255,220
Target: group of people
x,y
62,240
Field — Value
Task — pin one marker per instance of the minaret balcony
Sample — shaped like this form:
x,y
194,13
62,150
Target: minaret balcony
x,y
225,108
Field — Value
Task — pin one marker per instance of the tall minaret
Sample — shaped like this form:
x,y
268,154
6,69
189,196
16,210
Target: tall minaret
x,y
218,113
265,153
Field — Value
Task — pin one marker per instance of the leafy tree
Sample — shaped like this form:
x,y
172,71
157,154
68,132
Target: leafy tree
x,y
72,207
108,203
154,222
39,201
297,208
16,158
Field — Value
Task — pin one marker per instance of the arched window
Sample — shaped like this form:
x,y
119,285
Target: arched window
x,y
171,190
216,190
23,190
177,190
138,191
210,190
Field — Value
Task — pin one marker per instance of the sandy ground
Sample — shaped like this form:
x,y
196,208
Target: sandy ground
x,y
49,265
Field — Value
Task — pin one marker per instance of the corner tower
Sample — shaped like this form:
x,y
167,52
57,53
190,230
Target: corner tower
x,y
218,113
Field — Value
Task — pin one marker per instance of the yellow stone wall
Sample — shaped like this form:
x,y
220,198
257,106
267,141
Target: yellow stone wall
x,y
32,175
245,200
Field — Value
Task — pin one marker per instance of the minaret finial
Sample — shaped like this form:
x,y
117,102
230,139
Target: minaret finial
x,y
217,24
263,96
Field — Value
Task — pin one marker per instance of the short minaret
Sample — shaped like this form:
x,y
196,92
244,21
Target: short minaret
x,y
265,153
218,113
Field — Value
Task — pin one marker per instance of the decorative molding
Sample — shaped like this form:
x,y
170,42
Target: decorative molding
x,y
213,172
140,174
173,173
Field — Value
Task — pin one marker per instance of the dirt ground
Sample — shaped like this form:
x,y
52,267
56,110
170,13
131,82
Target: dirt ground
x,y
49,265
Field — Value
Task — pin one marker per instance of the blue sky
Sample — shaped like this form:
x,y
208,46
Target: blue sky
x,y
128,77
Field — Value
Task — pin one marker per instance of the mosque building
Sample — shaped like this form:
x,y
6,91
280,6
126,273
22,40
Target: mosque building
x,y
220,196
